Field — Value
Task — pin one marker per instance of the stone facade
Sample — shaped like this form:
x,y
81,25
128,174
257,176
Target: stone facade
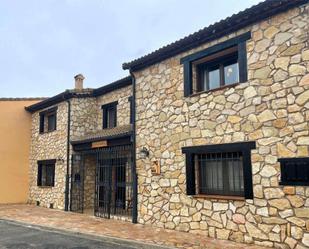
x,y
86,117
47,146
123,107
89,182
272,108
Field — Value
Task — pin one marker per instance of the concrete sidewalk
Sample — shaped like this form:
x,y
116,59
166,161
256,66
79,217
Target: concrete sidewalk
x,y
85,224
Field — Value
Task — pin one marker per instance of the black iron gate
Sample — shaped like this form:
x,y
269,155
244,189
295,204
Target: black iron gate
x,y
114,182
77,183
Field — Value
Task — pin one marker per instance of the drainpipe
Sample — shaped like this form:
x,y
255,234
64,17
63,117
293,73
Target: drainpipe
x,y
67,177
135,179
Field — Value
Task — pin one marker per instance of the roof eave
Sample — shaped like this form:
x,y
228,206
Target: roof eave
x,y
113,86
49,102
90,140
224,27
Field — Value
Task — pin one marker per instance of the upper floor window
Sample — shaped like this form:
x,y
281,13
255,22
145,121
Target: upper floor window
x,y
217,72
215,67
46,173
110,115
223,169
48,120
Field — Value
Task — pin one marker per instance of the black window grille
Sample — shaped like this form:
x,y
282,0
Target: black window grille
x,y
294,171
46,173
219,173
221,169
48,120
110,115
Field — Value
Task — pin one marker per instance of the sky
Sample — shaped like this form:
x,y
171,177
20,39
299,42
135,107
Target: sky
x,y
44,44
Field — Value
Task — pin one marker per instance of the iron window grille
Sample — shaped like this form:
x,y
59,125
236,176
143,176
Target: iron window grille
x,y
48,120
294,171
110,115
46,173
219,174
222,169
217,66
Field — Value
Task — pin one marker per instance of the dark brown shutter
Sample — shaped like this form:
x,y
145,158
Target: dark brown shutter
x,y
104,118
247,171
41,123
190,174
39,179
187,74
131,109
242,62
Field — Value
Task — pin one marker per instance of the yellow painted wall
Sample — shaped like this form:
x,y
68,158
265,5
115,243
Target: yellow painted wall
x,y
15,130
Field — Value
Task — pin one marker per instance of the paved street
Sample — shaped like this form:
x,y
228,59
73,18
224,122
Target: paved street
x,y
16,236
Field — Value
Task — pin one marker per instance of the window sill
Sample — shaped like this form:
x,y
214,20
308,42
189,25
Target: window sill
x,y
221,197
46,132
108,128
299,183
214,90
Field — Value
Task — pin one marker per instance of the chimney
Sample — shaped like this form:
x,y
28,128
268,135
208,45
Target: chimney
x,y
79,80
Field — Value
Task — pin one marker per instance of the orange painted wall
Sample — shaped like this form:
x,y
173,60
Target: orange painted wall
x,y
15,130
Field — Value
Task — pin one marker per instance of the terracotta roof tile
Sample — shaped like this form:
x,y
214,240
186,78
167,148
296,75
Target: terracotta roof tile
x,y
118,131
214,31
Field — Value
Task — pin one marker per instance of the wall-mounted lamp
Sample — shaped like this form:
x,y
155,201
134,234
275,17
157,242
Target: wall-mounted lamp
x,y
144,153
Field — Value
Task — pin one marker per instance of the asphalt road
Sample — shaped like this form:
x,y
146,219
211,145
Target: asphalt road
x,y
18,236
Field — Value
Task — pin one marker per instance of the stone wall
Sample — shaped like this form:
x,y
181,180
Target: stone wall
x,y
123,108
83,116
89,181
50,145
272,109
86,117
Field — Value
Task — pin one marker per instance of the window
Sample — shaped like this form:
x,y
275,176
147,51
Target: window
x,y
48,120
46,173
130,99
221,65
223,170
219,173
217,73
110,115
294,171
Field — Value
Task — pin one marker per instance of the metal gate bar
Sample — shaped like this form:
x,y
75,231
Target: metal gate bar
x,y
114,182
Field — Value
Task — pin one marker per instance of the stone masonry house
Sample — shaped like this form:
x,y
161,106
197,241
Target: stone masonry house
x,y
67,131
208,135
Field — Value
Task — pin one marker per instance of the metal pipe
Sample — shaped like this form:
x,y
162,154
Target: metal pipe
x,y
66,192
134,173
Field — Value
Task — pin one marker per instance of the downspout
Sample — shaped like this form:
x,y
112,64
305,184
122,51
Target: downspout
x,y
67,178
135,178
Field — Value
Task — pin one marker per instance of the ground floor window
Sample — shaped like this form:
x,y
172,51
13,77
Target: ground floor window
x,y
219,173
294,171
46,173
223,169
